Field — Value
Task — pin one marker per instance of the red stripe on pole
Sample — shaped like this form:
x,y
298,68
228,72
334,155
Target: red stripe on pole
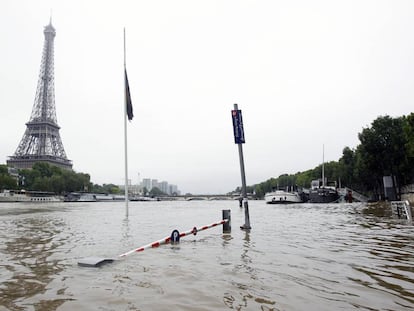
x,y
168,239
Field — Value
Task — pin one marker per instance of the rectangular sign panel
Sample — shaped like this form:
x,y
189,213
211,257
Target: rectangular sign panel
x,y
238,126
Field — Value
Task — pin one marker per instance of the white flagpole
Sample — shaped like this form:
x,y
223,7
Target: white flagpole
x,y
125,134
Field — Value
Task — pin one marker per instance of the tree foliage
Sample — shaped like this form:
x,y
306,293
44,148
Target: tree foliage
x,y
106,188
156,192
45,177
6,181
386,148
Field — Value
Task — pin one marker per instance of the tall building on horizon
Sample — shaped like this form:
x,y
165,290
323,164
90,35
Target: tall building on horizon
x,y
146,183
41,141
164,186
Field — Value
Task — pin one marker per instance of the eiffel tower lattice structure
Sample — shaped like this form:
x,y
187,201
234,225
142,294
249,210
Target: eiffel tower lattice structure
x,y
41,141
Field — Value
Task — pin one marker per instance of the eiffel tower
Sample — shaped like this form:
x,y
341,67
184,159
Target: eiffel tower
x,y
41,141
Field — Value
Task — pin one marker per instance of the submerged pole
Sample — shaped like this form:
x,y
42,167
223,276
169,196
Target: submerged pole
x,y
239,140
174,238
226,216
167,239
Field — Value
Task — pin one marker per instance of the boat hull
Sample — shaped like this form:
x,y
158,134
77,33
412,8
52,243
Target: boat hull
x,y
27,196
323,195
282,197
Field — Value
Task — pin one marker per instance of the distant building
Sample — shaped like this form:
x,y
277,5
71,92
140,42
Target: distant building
x,y
173,190
163,186
146,183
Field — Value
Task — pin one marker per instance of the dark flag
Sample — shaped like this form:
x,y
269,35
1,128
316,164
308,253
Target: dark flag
x,y
128,99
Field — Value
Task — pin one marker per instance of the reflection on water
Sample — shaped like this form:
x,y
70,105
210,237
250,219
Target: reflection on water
x,y
246,281
296,257
390,266
27,265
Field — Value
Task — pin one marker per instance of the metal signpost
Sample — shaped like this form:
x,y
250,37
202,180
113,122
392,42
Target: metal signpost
x,y
239,140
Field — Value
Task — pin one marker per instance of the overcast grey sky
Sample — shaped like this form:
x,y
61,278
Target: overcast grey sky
x,y
304,73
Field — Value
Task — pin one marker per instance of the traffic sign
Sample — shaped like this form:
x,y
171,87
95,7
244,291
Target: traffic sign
x,y
238,127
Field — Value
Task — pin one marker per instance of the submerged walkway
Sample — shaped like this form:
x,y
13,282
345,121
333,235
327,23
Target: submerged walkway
x,y
356,196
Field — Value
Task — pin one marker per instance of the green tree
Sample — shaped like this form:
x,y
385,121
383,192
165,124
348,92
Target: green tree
x,y
4,170
28,177
145,191
156,192
46,177
382,151
303,179
57,184
41,184
45,169
386,148
6,181
105,188
346,167
408,128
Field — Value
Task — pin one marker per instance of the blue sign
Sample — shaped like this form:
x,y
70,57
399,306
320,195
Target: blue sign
x,y
238,127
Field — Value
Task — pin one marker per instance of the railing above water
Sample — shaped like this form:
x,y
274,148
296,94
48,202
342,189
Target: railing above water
x,y
402,210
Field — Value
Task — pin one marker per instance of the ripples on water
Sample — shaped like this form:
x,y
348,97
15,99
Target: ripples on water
x,y
297,257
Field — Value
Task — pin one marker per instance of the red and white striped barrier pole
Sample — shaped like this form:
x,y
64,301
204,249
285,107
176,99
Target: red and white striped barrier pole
x,y
167,240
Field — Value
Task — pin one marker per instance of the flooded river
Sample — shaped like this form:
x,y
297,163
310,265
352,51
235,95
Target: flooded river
x,y
296,257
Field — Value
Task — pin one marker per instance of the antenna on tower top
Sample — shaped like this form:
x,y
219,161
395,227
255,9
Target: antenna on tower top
x,y
50,20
